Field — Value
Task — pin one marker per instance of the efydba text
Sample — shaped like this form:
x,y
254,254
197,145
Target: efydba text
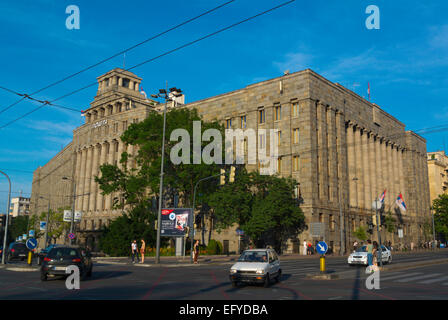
x,y
227,309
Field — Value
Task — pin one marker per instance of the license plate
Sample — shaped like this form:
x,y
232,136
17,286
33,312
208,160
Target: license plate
x,y
59,268
21,255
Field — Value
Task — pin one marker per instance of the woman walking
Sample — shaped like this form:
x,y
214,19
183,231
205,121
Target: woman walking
x,y
196,252
375,256
142,250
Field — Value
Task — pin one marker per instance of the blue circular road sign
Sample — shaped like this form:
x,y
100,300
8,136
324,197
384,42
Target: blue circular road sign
x,y
321,247
31,243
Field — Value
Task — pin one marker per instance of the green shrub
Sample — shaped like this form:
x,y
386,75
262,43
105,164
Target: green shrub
x,y
214,247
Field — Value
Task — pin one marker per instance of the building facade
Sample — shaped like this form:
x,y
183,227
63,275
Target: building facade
x,y
343,150
437,174
20,206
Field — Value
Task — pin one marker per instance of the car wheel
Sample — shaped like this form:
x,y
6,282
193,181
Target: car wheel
x,y
279,276
267,281
43,276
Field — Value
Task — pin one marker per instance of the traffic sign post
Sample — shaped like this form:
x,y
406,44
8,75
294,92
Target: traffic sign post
x,y
31,244
71,236
322,249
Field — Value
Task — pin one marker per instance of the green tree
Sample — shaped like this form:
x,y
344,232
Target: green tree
x,y
138,224
361,233
261,205
18,227
440,207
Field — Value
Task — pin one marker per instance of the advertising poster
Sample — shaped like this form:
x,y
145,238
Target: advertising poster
x,y
175,221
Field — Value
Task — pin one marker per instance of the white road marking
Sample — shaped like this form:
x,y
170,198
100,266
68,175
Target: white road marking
x,y
397,276
419,277
434,280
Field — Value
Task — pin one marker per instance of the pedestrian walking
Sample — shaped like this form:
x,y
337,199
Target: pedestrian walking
x,y
142,250
355,245
196,252
309,249
374,266
134,251
304,249
369,252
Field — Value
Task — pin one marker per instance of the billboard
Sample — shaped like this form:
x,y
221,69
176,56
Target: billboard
x,y
176,222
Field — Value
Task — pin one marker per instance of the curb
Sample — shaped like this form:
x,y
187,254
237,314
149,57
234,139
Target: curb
x,y
325,276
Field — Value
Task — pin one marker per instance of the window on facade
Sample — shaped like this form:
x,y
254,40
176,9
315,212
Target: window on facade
x,y
125,125
262,141
116,147
278,113
243,122
99,224
331,222
93,224
107,82
228,123
295,163
295,135
321,217
261,116
125,83
279,137
295,109
279,164
353,224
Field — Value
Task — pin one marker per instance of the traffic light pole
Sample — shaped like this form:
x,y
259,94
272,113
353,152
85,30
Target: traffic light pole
x,y
7,218
194,203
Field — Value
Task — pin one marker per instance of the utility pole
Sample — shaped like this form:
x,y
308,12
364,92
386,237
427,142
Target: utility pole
x,y
7,218
163,93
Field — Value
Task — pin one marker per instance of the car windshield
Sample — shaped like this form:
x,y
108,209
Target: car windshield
x,y
253,256
57,253
362,249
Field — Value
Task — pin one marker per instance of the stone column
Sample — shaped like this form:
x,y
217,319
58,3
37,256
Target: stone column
x,y
81,180
78,173
384,170
103,159
379,168
322,151
373,167
366,172
88,171
390,171
341,156
396,172
110,160
401,172
332,155
359,171
351,155
93,173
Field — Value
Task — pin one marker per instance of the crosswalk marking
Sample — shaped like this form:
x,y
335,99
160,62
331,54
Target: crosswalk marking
x,y
401,275
434,280
419,277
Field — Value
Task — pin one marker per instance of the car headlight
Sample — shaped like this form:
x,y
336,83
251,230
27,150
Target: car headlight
x,y
260,271
232,270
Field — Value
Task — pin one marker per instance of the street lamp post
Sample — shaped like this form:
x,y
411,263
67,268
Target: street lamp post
x,y
48,218
7,218
162,94
73,206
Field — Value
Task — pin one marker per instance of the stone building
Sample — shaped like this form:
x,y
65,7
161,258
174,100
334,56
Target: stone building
x,y
343,150
437,173
19,206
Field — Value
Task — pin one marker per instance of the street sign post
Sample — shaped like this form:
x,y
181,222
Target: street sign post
x,y
322,248
43,225
24,236
31,233
67,215
31,243
71,236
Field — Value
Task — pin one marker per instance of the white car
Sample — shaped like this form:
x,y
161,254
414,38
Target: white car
x,y
256,266
360,256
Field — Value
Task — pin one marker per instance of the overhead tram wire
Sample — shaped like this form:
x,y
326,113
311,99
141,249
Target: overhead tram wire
x,y
119,53
160,56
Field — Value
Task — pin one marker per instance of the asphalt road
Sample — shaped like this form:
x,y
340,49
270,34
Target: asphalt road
x,y
210,282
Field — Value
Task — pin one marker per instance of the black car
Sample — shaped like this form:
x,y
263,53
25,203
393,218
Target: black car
x,y
59,258
43,253
17,250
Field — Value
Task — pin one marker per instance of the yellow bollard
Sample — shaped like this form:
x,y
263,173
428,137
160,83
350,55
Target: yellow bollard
x,y
30,257
322,264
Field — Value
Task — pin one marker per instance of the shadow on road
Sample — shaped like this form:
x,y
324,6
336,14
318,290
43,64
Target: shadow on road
x,y
356,285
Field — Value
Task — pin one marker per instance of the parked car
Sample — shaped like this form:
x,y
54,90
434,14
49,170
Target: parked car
x,y
360,256
60,257
16,250
43,253
256,266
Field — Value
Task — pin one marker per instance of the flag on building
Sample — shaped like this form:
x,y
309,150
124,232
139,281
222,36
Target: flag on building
x,y
368,89
383,195
400,202
143,92
83,113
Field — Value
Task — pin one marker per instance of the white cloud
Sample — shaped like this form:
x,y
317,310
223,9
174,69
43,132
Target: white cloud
x,y
294,62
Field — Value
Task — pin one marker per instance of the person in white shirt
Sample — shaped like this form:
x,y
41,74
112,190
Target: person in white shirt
x,y
134,251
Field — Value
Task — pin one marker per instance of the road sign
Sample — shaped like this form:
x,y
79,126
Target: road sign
x,y
67,215
43,225
71,236
239,232
78,216
317,229
20,238
31,233
31,243
400,233
376,205
322,247
24,236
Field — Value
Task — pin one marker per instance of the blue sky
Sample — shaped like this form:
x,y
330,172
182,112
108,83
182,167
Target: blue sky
x,y
405,61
